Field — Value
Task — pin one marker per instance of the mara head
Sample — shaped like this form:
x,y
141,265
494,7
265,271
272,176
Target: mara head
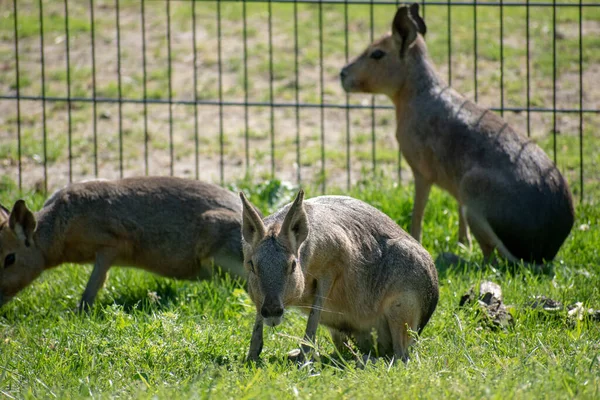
x,y
275,277
384,66
20,260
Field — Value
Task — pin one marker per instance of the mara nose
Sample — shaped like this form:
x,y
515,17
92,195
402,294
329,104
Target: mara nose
x,y
271,310
343,73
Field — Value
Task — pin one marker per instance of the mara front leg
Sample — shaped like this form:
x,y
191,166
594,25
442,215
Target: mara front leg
x,y
422,189
104,259
256,343
321,292
463,228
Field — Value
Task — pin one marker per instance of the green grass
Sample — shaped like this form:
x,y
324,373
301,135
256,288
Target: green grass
x,y
149,336
28,24
154,337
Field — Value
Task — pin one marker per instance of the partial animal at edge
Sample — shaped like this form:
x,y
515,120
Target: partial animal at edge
x,y
173,227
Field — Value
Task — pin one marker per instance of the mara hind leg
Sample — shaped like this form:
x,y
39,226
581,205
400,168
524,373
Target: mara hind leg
x,y
403,316
488,241
481,193
340,340
374,343
486,237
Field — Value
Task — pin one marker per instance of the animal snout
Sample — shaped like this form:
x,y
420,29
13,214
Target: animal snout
x,y
346,80
271,310
343,73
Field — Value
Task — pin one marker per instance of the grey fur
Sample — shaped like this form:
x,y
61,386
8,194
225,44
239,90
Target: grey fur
x,y
356,271
170,226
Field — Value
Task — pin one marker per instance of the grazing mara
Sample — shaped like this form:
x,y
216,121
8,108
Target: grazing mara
x,y
510,194
170,226
347,265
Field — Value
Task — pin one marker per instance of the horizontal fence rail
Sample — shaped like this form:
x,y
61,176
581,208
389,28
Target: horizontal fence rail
x,y
227,90
432,3
268,104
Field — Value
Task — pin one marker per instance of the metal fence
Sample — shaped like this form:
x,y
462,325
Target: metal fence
x,y
222,90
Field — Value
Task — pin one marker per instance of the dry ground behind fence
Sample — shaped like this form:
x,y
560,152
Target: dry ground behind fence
x,y
287,141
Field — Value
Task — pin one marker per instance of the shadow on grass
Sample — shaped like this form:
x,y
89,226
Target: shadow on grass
x,y
160,296
332,360
449,262
163,293
350,358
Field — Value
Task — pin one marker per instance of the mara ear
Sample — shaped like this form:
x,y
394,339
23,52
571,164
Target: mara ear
x,y
253,228
404,29
295,225
414,14
4,213
22,222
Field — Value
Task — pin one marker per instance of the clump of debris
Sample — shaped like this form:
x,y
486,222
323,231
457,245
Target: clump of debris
x,y
493,311
575,311
495,314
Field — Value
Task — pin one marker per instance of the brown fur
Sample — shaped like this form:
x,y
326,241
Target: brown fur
x,y
509,192
170,226
347,265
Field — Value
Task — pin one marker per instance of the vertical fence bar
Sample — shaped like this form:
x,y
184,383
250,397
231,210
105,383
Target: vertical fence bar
x,y
196,139
399,149
18,89
70,126
120,88
373,106
271,93
170,73
581,183
502,57
44,127
373,141
528,72
94,104
399,171
145,88
297,94
449,33
554,78
322,96
475,55
220,67
246,121
346,53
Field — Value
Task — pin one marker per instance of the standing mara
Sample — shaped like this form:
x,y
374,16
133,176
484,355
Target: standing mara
x,y
510,194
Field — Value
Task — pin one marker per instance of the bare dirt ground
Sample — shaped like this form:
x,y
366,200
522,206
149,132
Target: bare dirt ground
x,y
344,138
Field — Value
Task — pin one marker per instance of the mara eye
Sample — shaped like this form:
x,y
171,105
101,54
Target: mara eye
x,y
377,54
9,260
251,265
